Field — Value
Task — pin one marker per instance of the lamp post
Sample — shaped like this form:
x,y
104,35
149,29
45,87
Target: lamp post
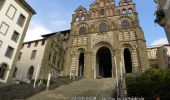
x,y
117,83
36,76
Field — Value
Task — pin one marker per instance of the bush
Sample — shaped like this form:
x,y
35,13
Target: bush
x,y
152,83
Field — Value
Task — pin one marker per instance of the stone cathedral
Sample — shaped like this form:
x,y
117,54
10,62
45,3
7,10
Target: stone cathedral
x,y
105,40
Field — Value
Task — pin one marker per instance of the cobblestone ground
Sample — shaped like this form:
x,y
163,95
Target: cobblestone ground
x,y
79,90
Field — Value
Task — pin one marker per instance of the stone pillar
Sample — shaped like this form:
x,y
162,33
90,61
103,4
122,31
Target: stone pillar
x,y
88,67
135,61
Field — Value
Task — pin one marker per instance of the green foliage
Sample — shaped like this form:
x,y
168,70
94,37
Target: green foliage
x,y
152,83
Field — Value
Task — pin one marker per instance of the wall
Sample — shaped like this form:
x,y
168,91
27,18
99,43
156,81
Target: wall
x,y
26,62
10,25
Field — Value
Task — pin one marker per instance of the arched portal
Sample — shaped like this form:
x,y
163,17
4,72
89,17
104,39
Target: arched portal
x,y
127,61
3,69
81,65
103,63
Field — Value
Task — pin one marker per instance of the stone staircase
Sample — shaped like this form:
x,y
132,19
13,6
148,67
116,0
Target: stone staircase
x,y
80,90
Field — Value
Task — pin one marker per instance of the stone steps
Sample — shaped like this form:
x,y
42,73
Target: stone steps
x,y
84,88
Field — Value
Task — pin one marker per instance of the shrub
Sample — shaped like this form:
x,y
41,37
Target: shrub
x,y
152,83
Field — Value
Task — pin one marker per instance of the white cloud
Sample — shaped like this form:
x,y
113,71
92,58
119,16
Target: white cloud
x,y
35,31
160,41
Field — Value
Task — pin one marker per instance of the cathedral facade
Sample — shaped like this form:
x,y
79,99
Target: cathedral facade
x,y
105,41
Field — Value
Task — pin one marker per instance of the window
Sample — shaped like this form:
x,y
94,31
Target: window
x,y
11,12
20,55
3,69
102,27
83,18
123,11
82,30
0,43
125,24
15,72
28,45
130,10
21,20
33,55
4,28
9,52
102,12
15,36
125,3
36,43
49,57
77,19
43,42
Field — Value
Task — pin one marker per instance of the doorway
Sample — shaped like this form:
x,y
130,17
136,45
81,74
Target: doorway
x,y
104,63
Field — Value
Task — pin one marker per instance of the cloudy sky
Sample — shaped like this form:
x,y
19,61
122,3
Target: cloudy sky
x,y
55,15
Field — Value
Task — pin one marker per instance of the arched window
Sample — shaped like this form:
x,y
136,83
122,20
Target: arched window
x,y
30,73
77,19
82,30
124,11
125,24
101,12
15,72
125,3
3,69
103,27
130,10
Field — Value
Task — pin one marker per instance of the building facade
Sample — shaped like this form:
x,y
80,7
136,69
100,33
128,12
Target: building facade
x,y
104,39
163,16
15,16
163,55
103,42
159,56
152,55
42,57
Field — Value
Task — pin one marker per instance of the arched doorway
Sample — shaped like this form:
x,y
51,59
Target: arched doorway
x,y
81,65
30,73
3,69
103,63
127,61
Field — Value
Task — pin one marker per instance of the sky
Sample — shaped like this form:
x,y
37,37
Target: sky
x,y
55,15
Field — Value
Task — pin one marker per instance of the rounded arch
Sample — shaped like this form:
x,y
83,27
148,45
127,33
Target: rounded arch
x,y
30,72
3,70
80,61
130,10
103,44
127,60
105,20
125,18
104,62
124,11
82,27
127,45
127,50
